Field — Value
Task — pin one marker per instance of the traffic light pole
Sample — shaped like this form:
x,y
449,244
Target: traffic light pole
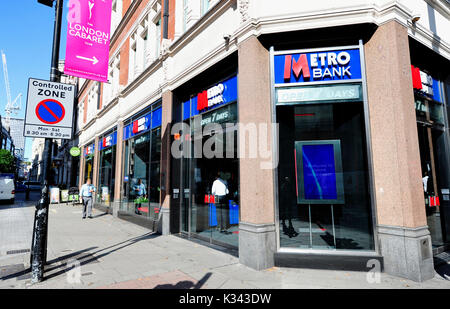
x,y
40,231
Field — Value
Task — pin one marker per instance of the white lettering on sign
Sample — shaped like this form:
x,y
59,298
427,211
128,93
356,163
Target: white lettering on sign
x,y
215,95
427,83
290,95
329,59
88,33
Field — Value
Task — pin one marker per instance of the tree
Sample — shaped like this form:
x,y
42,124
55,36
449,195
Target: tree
x,y
7,164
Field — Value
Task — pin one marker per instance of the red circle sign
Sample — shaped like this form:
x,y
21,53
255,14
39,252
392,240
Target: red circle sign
x,y
50,111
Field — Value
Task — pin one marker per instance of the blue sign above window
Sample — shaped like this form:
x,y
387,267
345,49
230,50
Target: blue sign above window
x,y
220,94
145,123
89,150
107,141
318,66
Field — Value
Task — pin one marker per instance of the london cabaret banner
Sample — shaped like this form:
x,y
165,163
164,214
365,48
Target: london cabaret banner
x,y
88,37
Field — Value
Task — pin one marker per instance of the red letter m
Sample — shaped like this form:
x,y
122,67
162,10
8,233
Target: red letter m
x,y
297,66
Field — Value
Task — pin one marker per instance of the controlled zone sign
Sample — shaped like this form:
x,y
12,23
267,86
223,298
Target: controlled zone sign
x,y
49,112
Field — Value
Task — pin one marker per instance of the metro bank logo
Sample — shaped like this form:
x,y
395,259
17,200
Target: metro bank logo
x,y
318,66
89,150
140,125
107,141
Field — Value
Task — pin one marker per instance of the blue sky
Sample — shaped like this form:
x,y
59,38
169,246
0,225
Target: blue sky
x,y
26,35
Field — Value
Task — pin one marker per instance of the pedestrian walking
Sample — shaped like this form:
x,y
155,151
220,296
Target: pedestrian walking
x,y
86,193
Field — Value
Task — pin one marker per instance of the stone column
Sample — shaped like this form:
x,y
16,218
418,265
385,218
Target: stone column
x,y
118,185
257,236
403,234
166,120
95,167
82,162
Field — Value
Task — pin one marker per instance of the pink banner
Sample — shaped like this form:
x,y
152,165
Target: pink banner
x,y
88,36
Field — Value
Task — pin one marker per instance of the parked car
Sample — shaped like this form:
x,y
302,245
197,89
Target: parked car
x,y
7,189
33,185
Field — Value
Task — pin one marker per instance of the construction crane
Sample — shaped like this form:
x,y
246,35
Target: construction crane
x,y
11,106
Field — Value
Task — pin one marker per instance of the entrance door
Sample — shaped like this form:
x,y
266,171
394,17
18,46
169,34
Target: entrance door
x,y
213,214
210,157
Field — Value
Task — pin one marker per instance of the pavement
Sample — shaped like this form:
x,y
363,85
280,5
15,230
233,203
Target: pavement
x,y
109,253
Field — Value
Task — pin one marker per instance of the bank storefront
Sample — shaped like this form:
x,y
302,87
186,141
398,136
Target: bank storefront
x,y
89,153
324,200
106,171
434,145
205,174
140,197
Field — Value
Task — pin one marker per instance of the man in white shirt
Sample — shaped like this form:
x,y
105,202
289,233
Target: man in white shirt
x,y
220,191
86,194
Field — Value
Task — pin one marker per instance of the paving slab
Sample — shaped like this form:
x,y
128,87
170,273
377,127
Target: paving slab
x,y
107,252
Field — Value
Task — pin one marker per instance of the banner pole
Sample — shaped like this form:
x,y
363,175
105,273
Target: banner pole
x,y
40,229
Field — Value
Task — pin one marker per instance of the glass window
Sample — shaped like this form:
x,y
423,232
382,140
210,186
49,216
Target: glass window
x,y
105,193
158,37
142,156
324,202
88,167
154,189
205,6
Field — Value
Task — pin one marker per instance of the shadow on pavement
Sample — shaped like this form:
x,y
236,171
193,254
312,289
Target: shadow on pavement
x,y
83,257
100,215
185,284
92,257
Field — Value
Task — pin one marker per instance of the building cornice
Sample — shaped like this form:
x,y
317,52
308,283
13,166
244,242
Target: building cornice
x,y
341,17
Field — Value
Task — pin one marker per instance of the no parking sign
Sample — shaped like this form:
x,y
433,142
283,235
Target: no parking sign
x,y
49,111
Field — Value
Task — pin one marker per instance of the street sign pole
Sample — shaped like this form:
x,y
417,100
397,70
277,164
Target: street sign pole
x,y
40,231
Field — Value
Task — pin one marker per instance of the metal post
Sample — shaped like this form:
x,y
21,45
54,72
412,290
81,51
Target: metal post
x,y
40,232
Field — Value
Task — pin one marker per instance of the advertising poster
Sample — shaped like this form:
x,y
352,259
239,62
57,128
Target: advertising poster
x,y
54,195
105,195
88,38
64,195
319,172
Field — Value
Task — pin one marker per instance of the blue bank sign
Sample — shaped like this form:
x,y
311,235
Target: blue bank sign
x,y
317,66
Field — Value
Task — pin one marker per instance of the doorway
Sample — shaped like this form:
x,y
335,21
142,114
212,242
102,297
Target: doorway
x,y
211,161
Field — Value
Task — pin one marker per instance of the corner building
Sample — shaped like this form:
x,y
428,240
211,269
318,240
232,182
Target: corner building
x,y
326,125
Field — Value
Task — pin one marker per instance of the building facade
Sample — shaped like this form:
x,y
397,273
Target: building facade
x,y
6,140
300,135
37,163
16,130
65,164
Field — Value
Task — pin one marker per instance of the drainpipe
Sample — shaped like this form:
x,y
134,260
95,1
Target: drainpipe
x,y
166,20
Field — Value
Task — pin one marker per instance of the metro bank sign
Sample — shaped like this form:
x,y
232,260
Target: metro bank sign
x,y
317,66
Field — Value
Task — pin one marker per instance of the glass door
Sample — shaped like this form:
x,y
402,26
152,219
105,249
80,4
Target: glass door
x,y
214,186
106,176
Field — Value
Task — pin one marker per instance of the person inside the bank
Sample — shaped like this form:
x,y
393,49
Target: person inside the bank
x,y
141,193
220,191
86,193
